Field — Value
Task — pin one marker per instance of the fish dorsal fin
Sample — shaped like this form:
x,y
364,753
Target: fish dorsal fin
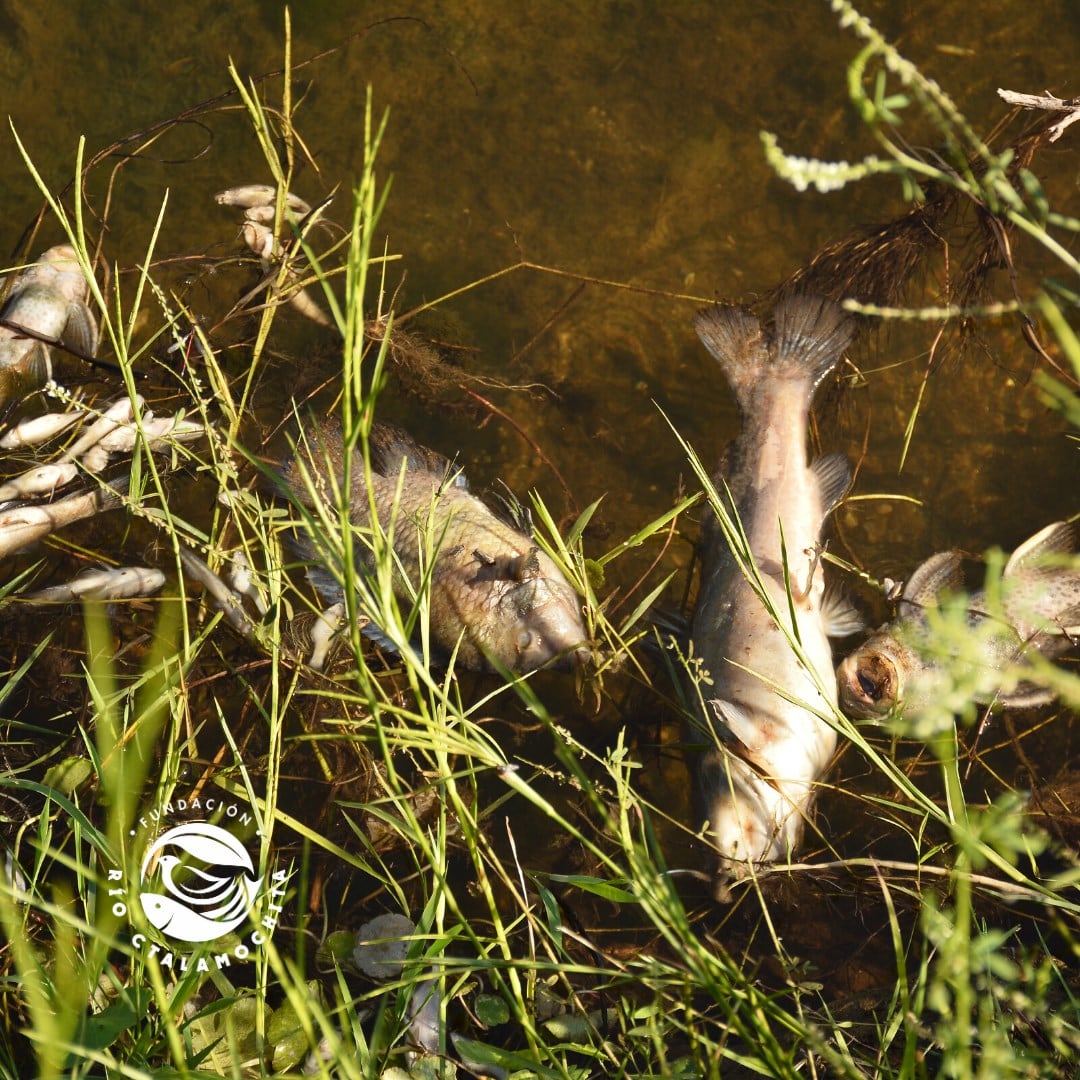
x,y
730,332
511,509
81,330
1058,538
812,330
940,573
390,445
736,723
833,473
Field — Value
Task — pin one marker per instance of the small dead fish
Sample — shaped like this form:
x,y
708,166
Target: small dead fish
x,y
38,481
38,429
259,202
120,584
322,633
1041,609
495,596
25,524
49,299
768,743
159,431
119,412
227,602
249,196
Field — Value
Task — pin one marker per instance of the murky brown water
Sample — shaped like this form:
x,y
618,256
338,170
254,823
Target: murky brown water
x,y
615,141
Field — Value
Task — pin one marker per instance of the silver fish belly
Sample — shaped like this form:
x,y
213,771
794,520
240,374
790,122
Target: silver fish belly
x,y
495,597
766,740
48,299
896,667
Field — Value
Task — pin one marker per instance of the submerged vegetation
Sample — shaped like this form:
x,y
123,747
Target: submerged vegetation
x,y
554,916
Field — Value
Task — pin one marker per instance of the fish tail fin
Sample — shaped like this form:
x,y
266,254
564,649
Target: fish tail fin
x,y
738,343
807,337
810,334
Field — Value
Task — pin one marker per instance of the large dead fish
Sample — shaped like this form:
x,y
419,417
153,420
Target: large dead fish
x,y
495,595
1040,612
49,299
764,706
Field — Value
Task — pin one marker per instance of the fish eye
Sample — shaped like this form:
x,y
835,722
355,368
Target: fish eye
x,y
524,640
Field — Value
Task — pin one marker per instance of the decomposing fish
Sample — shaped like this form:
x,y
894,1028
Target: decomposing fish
x,y
40,480
495,596
48,299
258,201
252,196
766,702
25,524
38,429
119,412
228,602
1039,613
123,583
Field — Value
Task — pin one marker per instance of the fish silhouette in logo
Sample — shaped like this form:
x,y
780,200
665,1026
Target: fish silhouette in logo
x,y
200,902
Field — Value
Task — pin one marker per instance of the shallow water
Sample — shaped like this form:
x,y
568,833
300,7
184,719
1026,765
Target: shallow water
x,y
612,142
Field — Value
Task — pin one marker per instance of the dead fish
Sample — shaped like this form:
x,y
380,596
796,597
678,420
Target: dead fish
x,y
495,595
228,602
260,212
119,412
1040,606
252,196
25,524
764,708
159,431
120,584
49,299
44,479
38,429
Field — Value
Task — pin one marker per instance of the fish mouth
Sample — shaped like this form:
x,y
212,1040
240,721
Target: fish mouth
x,y
868,685
576,658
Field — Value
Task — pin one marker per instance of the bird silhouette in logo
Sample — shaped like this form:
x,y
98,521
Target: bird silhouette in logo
x,y
208,878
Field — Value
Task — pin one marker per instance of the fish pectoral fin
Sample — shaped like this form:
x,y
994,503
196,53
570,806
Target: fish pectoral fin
x,y
526,566
833,475
842,617
739,725
81,330
1027,695
37,362
939,573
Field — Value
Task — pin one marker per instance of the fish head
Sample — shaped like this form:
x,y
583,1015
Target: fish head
x,y
751,821
59,271
537,619
871,681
